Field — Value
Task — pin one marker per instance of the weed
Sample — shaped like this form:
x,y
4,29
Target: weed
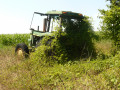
x,y
40,71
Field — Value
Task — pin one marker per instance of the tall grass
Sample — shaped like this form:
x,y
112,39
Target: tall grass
x,y
35,74
105,48
13,39
85,75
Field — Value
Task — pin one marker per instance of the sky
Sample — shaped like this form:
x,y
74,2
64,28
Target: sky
x,y
16,15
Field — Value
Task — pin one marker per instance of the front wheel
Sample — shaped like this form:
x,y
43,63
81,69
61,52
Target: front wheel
x,y
22,50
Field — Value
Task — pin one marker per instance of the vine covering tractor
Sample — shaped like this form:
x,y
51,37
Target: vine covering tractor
x,y
50,20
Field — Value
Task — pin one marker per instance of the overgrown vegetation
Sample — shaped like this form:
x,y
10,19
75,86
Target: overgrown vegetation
x,y
40,73
37,74
65,62
73,43
78,39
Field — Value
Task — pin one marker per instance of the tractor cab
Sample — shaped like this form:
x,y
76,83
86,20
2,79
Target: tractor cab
x,y
46,23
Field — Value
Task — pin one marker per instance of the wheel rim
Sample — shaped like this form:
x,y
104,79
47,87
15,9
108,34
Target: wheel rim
x,y
20,52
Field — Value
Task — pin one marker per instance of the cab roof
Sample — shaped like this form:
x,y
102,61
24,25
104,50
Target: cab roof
x,y
67,13
62,13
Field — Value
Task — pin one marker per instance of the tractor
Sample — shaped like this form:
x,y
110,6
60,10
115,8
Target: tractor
x,y
39,29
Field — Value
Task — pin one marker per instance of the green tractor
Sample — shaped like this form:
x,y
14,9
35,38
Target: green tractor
x,y
50,20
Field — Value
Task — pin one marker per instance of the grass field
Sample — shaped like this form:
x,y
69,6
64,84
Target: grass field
x,y
101,73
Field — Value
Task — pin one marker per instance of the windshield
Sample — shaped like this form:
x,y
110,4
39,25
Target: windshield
x,y
45,23
38,22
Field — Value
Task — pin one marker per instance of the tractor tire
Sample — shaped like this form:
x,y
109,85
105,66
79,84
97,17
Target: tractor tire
x,y
22,50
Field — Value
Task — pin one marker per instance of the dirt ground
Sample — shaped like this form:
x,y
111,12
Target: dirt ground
x,y
2,87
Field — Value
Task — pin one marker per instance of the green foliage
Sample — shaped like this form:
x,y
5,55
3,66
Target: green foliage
x,y
72,43
100,35
13,39
79,35
51,66
110,23
102,74
50,52
38,73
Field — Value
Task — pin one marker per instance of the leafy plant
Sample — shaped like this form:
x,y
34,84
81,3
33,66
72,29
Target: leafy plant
x,y
72,43
111,20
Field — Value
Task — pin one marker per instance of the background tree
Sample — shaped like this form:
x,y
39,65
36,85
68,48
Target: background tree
x,y
116,2
111,21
